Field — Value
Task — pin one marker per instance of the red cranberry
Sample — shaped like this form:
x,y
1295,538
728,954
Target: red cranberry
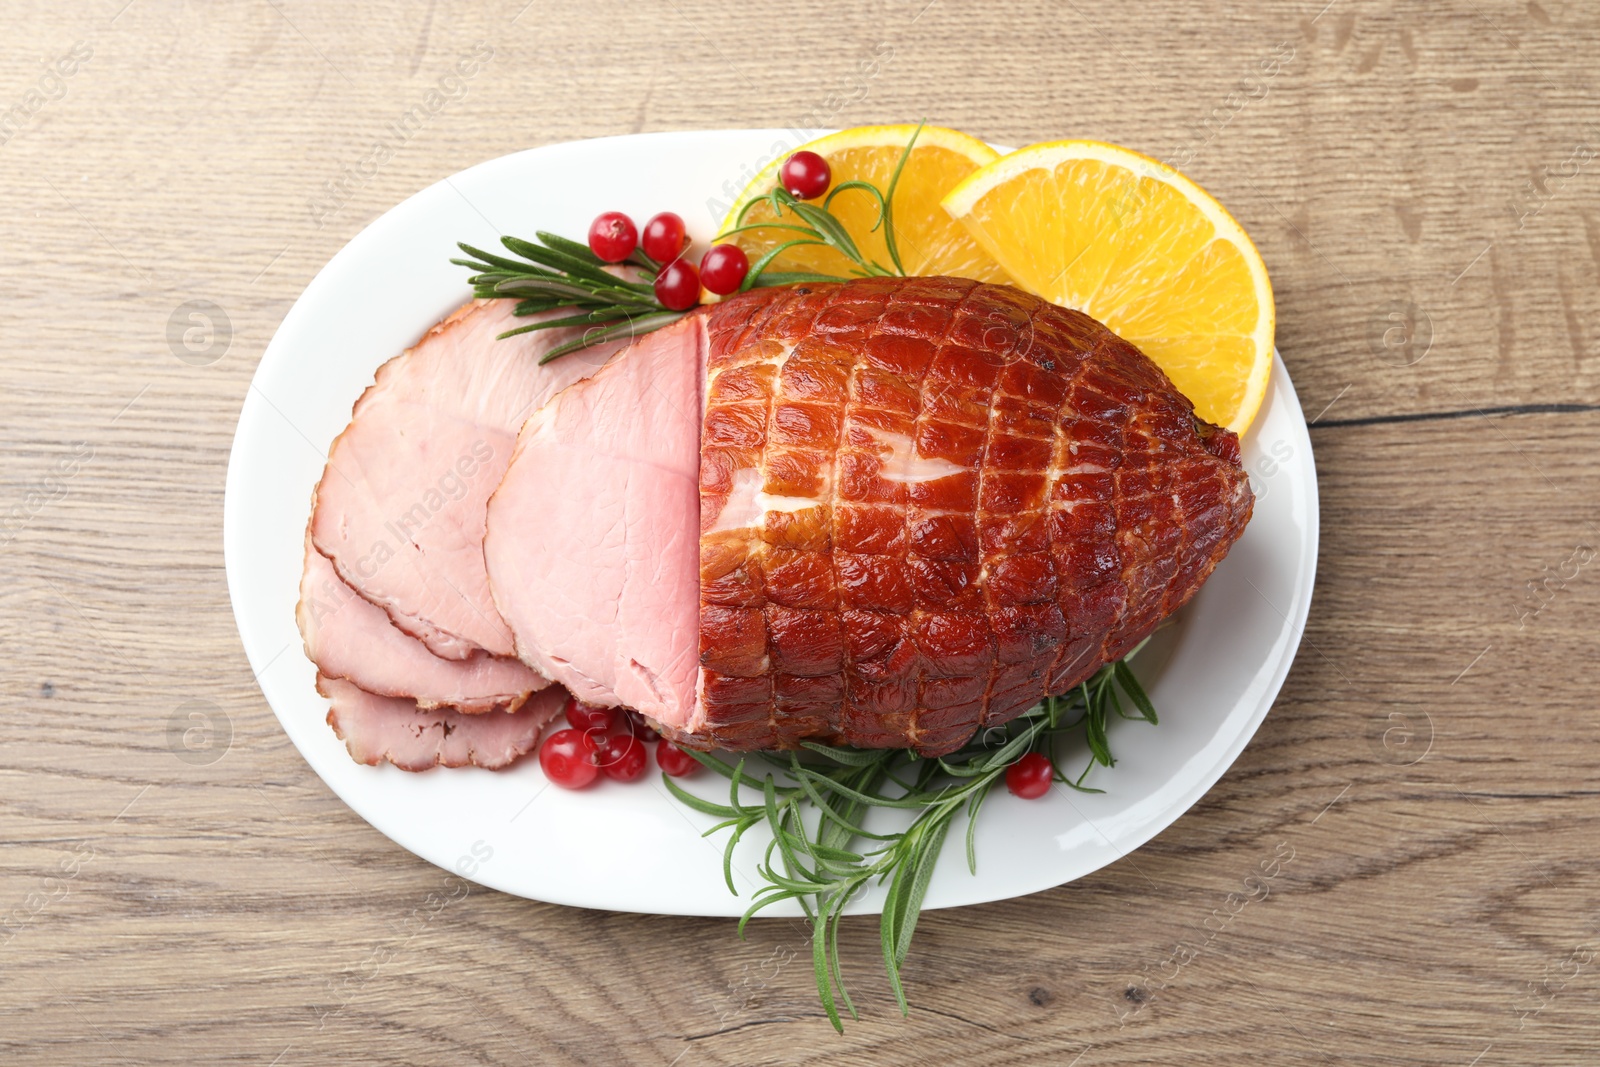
x,y
612,236
640,727
722,269
590,717
678,286
568,759
1029,777
664,237
675,761
623,758
806,175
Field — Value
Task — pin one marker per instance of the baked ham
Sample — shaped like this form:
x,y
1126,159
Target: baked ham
x,y
923,505
927,503
400,507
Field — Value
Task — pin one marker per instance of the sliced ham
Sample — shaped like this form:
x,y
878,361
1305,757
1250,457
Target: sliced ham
x,y
400,508
377,729
592,546
886,513
351,639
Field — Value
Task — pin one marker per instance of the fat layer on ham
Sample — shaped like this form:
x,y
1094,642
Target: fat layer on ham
x,y
592,536
351,639
378,729
400,508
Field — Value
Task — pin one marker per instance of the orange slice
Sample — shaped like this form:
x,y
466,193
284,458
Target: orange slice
x,y
1141,248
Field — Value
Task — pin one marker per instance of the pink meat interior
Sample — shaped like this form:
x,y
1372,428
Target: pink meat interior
x,y
592,546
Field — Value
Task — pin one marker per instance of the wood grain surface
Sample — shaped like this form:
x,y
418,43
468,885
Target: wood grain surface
x,y
1422,180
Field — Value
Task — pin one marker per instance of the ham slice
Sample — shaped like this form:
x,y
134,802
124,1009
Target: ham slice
x,y
351,639
400,508
592,547
378,729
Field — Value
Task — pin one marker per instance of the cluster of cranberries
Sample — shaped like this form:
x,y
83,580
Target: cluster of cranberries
x,y
613,237
608,741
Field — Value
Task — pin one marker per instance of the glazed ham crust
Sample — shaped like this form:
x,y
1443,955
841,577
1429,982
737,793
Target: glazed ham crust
x,y
927,503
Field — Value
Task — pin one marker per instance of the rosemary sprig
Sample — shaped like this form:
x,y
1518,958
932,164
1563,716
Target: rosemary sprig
x,y
553,273
814,802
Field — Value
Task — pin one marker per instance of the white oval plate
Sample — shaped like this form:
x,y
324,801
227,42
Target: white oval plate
x,y
1212,676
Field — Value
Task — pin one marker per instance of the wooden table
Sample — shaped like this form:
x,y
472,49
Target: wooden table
x,y
1422,181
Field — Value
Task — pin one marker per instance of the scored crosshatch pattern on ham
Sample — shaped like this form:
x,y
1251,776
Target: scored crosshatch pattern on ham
x,y
929,503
